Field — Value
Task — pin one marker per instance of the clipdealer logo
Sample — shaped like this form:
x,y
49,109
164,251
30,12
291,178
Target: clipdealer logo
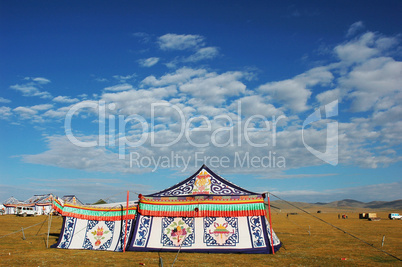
x,y
236,129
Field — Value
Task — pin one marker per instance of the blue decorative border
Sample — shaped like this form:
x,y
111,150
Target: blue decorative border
x,y
256,231
68,232
120,244
143,231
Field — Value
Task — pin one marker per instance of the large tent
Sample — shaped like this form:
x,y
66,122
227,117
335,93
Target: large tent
x,y
95,227
203,213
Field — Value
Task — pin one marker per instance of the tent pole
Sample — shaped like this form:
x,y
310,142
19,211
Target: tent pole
x,y
125,233
270,225
49,224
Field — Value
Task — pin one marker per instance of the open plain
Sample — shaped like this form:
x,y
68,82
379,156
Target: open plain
x,y
307,241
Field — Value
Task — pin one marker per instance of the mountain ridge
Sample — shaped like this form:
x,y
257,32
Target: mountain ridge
x,y
345,204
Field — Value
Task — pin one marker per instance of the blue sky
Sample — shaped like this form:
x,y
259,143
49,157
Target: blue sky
x,y
229,84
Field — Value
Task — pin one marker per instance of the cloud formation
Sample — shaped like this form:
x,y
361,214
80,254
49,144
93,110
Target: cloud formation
x,y
228,114
172,41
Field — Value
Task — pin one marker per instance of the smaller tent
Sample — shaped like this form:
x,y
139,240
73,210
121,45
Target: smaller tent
x,y
10,205
41,203
94,227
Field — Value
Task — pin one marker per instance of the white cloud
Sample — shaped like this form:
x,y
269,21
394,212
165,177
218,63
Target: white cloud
x,y
65,99
372,81
63,153
5,112
148,62
25,111
119,87
32,112
42,107
294,93
364,47
329,96
123,79
4,100
39,80
203,54
173,41
293,176
215,88
138,101
110,190
179,77
144,37
361,193
58,113
355,28
30,90
256,105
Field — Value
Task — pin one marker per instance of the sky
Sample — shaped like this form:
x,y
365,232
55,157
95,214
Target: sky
x,y
298,98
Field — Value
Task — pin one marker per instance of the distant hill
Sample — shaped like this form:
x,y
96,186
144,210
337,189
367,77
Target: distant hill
x,y
100,201
346,203
396,204
342,204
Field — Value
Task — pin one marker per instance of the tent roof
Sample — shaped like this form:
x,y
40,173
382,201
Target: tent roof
x,y
72,199
203,182
40,199
11,200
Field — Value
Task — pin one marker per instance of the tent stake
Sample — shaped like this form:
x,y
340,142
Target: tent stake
x,y
270,225
125,233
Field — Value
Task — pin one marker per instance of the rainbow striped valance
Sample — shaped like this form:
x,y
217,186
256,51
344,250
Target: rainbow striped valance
x,y
202,206
116,213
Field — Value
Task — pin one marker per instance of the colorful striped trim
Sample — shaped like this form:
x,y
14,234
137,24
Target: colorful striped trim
x,y
57,206
95,213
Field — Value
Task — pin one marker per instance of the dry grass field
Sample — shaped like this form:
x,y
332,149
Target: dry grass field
x,y
306,242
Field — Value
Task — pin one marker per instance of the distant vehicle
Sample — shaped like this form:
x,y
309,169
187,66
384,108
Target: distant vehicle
x,y
395,216
26,211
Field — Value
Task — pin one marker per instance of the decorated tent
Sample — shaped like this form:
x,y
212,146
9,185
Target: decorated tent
x,y
96,227
203,213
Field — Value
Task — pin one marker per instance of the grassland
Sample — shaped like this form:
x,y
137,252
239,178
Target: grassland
x,y
307,242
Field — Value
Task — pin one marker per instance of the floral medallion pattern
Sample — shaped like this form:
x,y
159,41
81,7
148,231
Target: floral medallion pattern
x,y
177,232
99,235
